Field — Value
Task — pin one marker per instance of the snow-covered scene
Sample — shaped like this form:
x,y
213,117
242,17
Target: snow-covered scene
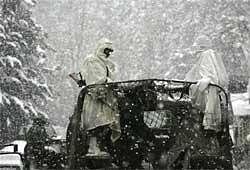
x,y
115,84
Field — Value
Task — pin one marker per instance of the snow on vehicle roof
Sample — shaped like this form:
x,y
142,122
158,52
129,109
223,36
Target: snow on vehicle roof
x,y
240,104
20,143
10,159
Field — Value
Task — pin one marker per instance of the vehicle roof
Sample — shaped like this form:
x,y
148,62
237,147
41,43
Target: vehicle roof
x,y
167,84
172,83
21,145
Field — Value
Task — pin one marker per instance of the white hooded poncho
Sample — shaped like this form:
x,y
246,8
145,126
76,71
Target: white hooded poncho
x,y
208,69
100,105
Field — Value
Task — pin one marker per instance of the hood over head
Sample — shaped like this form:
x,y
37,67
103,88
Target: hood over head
x,y
102,44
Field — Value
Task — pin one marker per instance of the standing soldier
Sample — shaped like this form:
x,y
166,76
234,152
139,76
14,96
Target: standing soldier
x,y
100,107
208,69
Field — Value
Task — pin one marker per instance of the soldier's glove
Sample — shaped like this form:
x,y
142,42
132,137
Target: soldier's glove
x,y
81,83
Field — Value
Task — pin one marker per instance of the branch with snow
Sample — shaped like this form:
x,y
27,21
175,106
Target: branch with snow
x,y
19,103
35,85
30,3
54,68
11,60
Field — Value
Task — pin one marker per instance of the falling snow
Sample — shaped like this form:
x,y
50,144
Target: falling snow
x,y
42,42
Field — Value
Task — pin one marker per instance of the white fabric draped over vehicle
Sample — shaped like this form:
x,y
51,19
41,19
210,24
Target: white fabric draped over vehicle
x,y
208,69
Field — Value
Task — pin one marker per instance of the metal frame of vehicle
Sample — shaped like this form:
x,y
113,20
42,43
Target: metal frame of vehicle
x,y
167,147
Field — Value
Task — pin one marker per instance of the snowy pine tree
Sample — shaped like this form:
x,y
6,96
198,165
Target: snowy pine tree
x,y
23,89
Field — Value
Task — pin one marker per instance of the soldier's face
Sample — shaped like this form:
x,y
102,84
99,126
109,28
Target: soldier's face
x,y
108,51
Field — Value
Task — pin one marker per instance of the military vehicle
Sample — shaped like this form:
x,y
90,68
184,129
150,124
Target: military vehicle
x,y
160,128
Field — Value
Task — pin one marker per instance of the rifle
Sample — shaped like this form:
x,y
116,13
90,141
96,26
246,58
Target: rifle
x,y
80,81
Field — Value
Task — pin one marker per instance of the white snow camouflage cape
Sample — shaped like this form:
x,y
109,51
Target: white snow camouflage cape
x,y
208,69
100,105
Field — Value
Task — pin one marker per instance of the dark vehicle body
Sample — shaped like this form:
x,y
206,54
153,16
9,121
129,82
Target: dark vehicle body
x,y
52,156
159,126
